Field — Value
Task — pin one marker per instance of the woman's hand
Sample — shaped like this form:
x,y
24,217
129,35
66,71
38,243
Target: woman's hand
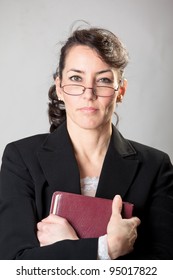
x,y
121,233
53,229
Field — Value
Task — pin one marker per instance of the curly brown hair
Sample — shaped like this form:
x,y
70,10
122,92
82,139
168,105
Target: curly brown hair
x,y
109,48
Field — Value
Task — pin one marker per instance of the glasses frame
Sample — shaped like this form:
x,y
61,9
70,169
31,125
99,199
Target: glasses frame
x,y
93,90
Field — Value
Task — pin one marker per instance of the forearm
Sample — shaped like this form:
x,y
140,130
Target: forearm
x,y
82,249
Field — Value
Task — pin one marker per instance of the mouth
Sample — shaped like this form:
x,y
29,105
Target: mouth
x,y
88,109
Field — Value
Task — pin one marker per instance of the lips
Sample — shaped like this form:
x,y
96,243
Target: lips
x,y
88,109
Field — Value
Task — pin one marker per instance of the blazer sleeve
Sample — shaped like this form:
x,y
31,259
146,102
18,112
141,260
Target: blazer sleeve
x,y
18,218
156,230
160,213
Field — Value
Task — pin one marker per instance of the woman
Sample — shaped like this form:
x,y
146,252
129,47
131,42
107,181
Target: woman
x,y
86,154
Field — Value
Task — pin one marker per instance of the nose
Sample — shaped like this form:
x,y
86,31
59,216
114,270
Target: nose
x,y
89,93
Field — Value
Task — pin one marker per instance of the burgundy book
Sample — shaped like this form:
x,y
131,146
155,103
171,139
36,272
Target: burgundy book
x,y
88,215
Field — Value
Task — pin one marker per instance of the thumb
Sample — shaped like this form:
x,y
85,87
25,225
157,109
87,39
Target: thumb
x,y
117,205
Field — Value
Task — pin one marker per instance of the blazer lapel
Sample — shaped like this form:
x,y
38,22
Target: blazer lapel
x,y
58,162
61,171
119,168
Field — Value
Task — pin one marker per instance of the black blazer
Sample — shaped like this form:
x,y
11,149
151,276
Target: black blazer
x,y
35,167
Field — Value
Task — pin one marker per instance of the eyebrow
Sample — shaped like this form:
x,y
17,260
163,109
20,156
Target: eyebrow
x,y
97,73
75,70
104,71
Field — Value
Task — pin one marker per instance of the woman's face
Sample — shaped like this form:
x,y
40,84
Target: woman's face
x,y
84,67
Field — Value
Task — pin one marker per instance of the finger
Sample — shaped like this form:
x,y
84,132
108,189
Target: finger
x,y
39,225
133,239
136,221
52,219
133,222
117,205
39,237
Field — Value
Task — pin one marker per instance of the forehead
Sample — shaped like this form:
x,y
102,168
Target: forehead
x,y
83,55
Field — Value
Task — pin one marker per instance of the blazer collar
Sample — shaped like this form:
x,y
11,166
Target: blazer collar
x,y
119,168
60,167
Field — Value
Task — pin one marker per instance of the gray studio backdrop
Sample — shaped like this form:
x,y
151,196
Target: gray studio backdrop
x,y
29,36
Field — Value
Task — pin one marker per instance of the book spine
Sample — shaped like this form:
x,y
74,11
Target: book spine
x,y
56,204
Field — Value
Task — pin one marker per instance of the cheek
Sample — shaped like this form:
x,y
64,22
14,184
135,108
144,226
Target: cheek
x,y
70,102
109,105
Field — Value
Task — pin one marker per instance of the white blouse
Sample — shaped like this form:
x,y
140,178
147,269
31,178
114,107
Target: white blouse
x,y
89,187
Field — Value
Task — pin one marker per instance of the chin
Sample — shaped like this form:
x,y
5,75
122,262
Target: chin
x,y
91,126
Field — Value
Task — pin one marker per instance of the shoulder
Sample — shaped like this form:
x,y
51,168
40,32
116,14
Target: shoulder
x,y
149,154
128,148
131,149
151,158
28,145
145,149
34,140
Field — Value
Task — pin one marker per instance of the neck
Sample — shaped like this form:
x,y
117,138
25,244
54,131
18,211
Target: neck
x,y
90,142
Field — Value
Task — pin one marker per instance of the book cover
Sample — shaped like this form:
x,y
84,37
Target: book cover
x,y
89,216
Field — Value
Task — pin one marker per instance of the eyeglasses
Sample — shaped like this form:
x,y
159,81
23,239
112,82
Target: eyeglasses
x,y
101,91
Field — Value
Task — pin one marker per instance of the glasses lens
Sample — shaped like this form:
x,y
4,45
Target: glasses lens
x,y
73,89
104,91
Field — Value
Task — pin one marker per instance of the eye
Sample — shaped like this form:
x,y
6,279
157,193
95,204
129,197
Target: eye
x,y
75,78
105,80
